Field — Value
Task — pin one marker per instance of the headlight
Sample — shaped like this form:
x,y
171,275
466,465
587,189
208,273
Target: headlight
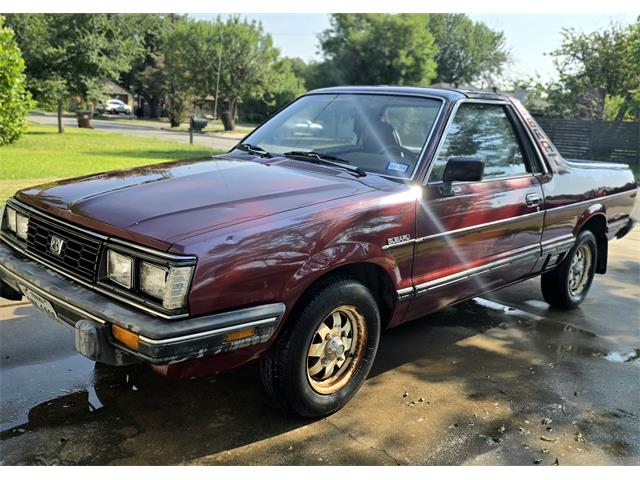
x,y
158,281
167,284
22,226
17,223
153,279
119,268
11,219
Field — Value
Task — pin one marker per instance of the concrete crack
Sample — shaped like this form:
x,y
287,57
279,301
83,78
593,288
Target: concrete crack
x,y
360,442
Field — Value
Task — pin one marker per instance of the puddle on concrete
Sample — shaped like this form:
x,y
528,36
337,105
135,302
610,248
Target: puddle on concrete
x,y
38,383
89,388
566,340
626,357
537,304
505,309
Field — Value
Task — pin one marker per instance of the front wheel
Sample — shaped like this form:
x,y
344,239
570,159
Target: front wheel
x,y
567,285
322,359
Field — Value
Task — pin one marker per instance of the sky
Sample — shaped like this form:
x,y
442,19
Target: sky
x,y
529,36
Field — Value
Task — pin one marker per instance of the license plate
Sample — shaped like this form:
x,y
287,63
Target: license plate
x,y
41,303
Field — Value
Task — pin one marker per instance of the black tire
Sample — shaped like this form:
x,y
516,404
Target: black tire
x,y
555,284
284,369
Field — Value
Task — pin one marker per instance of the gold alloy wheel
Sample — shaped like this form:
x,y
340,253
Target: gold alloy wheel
x,y
336,349
579,270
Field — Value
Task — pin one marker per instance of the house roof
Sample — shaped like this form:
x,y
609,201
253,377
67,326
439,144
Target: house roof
x,y
111,87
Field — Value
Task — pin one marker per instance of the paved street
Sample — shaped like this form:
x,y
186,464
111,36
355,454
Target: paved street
x,y
499,380
207,140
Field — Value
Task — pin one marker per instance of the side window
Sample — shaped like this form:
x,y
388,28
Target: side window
x,y
482,131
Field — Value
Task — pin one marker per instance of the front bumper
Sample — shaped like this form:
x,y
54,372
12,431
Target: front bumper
x,y
161,341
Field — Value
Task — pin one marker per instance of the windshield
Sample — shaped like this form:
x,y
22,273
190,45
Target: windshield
x,y
379,133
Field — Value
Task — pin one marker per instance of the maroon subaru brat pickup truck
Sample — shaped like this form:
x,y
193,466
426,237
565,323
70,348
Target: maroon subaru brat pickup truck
x,y
349,211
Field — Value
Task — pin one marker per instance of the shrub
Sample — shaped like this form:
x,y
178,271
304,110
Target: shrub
x,y
15,100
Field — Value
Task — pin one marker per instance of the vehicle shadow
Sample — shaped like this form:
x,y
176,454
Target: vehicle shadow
x,y
496,354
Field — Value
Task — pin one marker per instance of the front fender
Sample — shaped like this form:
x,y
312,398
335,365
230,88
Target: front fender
x,y
334,257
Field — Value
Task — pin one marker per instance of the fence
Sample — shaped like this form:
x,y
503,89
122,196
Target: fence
x,y
595,140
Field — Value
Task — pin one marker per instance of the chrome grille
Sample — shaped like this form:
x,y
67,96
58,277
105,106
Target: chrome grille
x,y
79,255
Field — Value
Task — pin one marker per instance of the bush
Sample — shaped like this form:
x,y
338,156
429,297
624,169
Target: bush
x,y
15,100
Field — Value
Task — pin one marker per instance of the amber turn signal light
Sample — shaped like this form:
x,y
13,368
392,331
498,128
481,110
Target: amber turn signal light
x,y
240,334
125,336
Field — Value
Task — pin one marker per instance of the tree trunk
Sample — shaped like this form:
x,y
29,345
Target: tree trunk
x,y
60,124
175,109
229,114
154,107
622,111
174,119
601,96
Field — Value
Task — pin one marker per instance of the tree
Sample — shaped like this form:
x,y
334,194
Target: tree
x,y
146,76
532,92
15,100
231,61
285,85
365,48
631,98
71,54
595,69
468,51
180,68
248,59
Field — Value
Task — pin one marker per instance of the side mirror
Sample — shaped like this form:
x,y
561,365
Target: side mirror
x,y
460,169
463,169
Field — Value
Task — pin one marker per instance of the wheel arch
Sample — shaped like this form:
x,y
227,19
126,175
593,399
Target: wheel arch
x,y
369,273
594,219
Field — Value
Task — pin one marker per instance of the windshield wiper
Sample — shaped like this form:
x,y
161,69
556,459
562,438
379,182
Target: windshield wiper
x,y
326,159
247,147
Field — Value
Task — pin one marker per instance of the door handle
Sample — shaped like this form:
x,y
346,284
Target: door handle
x,y
532,200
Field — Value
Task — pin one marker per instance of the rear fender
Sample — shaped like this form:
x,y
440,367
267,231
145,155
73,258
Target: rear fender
x,y
595,218
589,214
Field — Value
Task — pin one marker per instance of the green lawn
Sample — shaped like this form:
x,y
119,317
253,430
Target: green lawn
x,y
43,155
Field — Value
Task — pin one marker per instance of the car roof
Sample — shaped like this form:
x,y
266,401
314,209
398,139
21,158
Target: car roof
x,y
450,94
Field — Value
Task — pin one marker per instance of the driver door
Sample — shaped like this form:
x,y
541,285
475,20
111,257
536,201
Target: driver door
x,y
477,236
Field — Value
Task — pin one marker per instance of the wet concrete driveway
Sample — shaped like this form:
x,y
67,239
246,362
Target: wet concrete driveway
x,y
499,380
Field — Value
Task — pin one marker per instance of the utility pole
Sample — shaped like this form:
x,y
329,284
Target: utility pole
x,y
215,100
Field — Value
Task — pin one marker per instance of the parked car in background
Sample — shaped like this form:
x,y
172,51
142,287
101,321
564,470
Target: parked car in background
x,y
350,211
114,107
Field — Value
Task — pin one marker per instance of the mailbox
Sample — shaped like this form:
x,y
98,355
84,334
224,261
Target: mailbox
x,y
197,124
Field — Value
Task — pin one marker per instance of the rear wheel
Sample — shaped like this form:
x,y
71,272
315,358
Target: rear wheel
x,y
567,285
323,358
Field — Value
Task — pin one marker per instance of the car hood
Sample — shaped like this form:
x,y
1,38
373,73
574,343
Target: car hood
x,y
173,201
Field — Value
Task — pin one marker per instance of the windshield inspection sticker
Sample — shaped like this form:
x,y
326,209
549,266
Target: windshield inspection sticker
x,y
398,167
